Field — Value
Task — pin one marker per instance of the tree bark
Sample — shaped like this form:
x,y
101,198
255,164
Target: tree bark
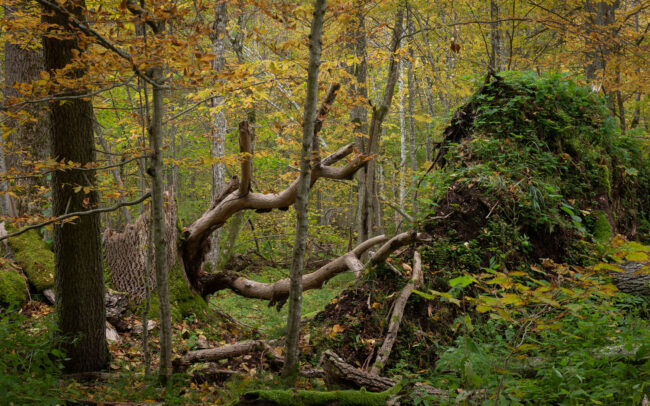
x,y
29,141
158,227
309,137
78,271
219,123
635,279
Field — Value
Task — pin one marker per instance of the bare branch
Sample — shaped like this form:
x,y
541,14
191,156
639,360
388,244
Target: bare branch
x,y
320,117
397,314
77,214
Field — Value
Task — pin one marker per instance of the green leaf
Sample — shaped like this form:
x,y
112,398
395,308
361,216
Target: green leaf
x,y
463,281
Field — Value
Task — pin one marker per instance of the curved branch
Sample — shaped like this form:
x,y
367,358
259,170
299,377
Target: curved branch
x,y
194,239
278,292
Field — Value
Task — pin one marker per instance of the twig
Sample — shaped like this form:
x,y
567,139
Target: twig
x,y
77,214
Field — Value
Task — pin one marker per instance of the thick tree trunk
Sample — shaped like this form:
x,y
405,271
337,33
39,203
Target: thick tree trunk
x,y
290,368
29,141
78,273
495,37
635,279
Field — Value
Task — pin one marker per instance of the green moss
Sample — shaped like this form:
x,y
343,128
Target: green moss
x,y
183,301
12,287
318,398
33,256
602,229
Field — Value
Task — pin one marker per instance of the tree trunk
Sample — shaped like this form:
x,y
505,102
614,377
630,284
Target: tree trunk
x,y
219,123
402,137
495,37
359,114
378,116
158,227
115,171
411,110
290,368
78,270
29,140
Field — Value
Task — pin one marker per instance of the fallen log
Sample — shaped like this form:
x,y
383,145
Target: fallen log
x,y
340,374
635,278
317,398
215,354
396,316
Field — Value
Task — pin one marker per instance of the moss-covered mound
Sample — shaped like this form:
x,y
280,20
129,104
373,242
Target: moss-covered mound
x,y
530,168
34,257
542,172
12,287
183,301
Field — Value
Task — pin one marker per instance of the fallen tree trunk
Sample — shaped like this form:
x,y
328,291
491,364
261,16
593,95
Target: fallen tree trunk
x,y
278,292
292,397
340,374
397,314
634,280
215,354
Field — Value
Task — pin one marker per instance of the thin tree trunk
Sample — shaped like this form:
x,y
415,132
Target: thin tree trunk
x,y
359,115
219,123
114,171
158,226
402,137
411,109
78,270
378,116
290,368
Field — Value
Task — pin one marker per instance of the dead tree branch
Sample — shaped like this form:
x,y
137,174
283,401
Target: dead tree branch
x,y
77,214
397,314
195,238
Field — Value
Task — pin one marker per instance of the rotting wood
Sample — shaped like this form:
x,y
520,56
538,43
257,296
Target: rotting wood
x,y
396,316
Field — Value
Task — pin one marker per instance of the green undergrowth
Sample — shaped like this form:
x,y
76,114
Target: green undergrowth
x,y
30,365
599,355
34,257
268,320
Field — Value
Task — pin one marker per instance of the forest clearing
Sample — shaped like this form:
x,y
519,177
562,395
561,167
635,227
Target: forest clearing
x,y
343,202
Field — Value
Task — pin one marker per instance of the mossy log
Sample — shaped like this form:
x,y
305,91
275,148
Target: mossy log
x,y
34,257
317,398
13,289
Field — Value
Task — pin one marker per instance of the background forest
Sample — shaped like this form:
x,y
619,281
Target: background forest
x,y
460,188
